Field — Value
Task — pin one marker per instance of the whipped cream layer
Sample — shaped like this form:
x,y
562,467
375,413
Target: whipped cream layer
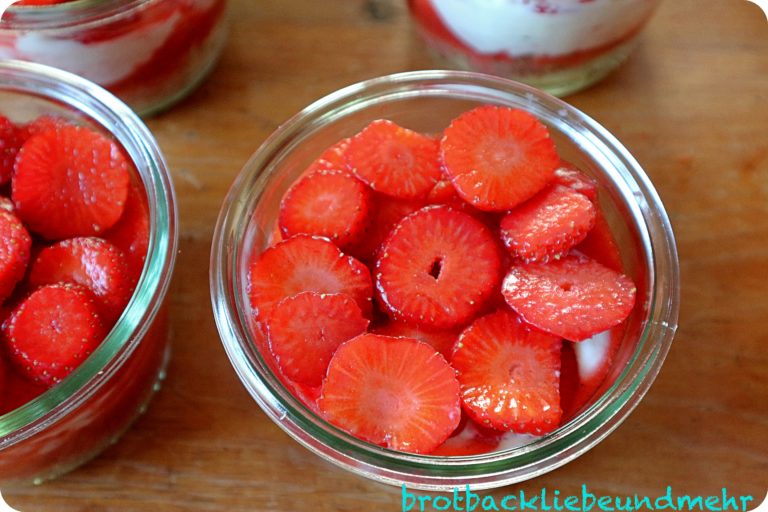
x,y
105,62
552,27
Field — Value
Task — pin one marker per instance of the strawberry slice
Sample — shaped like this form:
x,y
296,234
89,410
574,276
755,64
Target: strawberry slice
x,y
385,213
498,157
92,263
394,160
306,329
547,226
11,140
131,233
574,298
70,182
509,374
17,389
332,159
437,268
52,331
572,177
394,392
306,264
600,245
442,341
332,204
42,124
15,244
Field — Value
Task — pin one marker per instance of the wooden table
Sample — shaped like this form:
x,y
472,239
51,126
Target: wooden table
x,y
691,105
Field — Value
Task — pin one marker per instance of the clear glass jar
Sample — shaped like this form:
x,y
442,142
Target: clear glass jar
x,y
87,411
427,101
150,53
560,46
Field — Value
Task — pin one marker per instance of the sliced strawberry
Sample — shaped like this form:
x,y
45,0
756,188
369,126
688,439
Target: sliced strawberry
x,y
469,439
332,159
42,124
92,263
333,204
600,245
15,244
442,341
52,332
131,233
306,264
498,157
547,226
385,213
572,177
70,182
574,298
509,374
394,160
18,390
395,392
304,331
569,381
444,193
437,268
10,142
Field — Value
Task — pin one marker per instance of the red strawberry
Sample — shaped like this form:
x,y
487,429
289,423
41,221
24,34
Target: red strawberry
x,y
569,381
547,226
18,390
332,204
509,374
394,160
10,142
15,244
52,332
498,157
444,193
600,245
385,213
306,329
437,268
70,182
442,341
42,124
92,263
572,177
332,159
395,392
574,298
306,264
131,233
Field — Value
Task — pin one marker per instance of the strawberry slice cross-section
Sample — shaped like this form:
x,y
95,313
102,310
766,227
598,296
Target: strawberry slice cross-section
x,y
437,268
509,374
498,157
305,263
394,392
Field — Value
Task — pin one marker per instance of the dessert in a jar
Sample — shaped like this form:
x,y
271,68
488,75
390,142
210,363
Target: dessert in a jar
x,y
87,238
150,53
443,279
557,45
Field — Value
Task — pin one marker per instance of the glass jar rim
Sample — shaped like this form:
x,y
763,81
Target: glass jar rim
x,y
76,13
112,115
420,471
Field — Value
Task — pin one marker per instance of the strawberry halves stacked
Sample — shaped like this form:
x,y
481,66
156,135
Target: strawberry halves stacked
x,y
422,287
74,230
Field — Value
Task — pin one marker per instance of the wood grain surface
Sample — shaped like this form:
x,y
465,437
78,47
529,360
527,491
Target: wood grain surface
x,y
692,106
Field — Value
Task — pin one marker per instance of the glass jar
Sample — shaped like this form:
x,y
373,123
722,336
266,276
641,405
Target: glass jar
x,y
150,53
560,46
87,411
426,101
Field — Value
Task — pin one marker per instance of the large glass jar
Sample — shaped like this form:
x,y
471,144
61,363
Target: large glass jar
x,y
87,411
150,53
427,101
